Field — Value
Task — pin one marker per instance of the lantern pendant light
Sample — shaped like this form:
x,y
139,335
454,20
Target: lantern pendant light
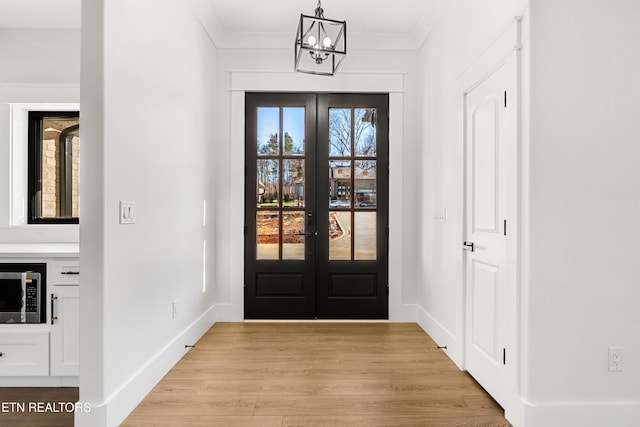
x,y
321,44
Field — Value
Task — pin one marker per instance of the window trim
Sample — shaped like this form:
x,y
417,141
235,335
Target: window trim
x,y
34,165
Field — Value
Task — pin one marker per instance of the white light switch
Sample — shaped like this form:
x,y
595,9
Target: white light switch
x,y
127,212
440,215
175,305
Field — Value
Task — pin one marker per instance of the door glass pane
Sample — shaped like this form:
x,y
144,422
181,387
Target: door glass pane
x,y
339,235
365,235
293,128
293,183
268,234
293,235
268,128
339,132
268,185
339,184
366,183
365,138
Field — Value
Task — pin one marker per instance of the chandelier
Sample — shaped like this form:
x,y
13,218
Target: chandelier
x,y
321,44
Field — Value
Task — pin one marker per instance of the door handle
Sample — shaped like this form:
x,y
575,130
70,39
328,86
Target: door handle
x,y
468,246
53,300
309,234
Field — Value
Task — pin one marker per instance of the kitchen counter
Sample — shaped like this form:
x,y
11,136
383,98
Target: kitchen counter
x,y
12,250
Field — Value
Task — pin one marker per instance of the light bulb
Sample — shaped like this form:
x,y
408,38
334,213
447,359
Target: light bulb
x,y
327,42
311,40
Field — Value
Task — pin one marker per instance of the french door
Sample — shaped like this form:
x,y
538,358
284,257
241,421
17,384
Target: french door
x,y
316,206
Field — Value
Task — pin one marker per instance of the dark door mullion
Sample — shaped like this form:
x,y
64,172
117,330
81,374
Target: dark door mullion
x,y
280,183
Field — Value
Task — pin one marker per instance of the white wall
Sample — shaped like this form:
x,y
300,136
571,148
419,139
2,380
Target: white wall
x,y
463,34
583,288
40,55
580,199
148,111
230,148
465,30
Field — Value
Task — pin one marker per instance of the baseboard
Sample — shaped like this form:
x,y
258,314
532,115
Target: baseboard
x,y
581,414
124,400
222,313
441,335
402,313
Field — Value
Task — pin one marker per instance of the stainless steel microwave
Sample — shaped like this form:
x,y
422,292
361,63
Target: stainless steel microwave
x,y
20,297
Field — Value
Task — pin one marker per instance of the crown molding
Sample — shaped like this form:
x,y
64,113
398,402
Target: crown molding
x,y
236,40
428,21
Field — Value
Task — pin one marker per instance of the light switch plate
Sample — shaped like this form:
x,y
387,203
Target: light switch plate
x,y
127,212
175,309
440,215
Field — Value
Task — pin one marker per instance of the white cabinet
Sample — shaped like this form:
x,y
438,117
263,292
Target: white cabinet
x,y
63,272
46,354
65,330
24,352
64,315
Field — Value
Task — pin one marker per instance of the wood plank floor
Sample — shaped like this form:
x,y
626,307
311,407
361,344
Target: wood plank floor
x,y
56,415
316,374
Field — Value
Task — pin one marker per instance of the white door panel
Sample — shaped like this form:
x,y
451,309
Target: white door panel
x,y
489,157
484,283
484,144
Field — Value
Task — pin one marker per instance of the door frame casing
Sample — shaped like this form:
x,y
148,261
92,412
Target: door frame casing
x,y
391,83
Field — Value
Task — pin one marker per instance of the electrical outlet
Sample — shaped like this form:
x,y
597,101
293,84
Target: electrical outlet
x,y
616,359
174,309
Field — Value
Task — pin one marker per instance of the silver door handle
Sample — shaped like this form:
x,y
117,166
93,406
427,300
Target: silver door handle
x,y
468,246
309,234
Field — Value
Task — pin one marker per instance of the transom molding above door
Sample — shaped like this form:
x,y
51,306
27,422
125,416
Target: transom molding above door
x,y
295,82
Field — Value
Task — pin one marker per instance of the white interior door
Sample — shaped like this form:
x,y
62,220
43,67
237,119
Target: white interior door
x,y
490,141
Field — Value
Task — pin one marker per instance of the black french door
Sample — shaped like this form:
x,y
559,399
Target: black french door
x,y
316,206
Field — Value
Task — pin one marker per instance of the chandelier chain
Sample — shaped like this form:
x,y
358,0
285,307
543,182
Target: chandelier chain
x,y
319,11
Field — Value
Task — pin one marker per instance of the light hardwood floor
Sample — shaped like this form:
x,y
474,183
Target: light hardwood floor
x,y
15,409
316,374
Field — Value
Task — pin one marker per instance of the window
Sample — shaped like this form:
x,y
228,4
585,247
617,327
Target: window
x,y
54,167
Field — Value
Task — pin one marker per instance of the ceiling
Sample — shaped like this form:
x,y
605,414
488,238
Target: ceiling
x,y
245,23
